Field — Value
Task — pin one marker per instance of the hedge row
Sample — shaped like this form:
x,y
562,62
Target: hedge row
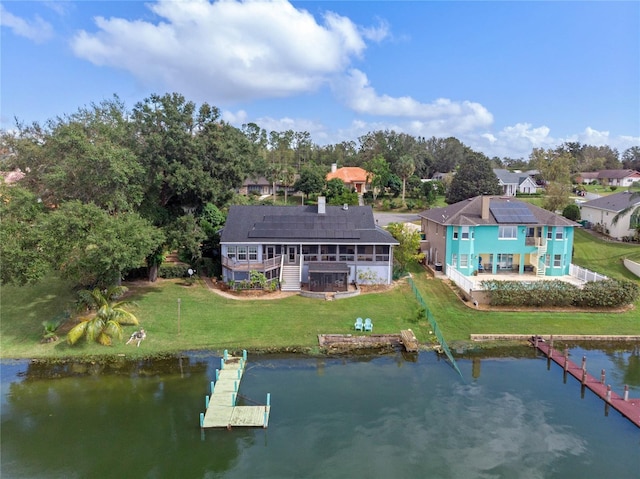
x,y
610,293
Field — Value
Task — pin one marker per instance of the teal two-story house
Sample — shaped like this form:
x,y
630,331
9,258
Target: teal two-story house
x,y
488,234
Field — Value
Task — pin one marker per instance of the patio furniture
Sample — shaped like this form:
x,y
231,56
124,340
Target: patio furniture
x,y
368,325
358,325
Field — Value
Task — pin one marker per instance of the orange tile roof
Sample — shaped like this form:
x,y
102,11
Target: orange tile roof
x,y
349,175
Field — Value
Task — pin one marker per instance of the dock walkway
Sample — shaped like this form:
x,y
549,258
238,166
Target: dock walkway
x,y
629,408
221,409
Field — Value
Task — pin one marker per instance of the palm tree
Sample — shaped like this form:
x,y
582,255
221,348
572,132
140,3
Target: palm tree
x,y
105,318
633,208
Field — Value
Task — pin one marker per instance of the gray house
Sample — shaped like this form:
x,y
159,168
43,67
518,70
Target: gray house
x,y
514,182
601,211
323,248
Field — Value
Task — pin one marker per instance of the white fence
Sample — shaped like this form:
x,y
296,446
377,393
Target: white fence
x,y
584,274
461,280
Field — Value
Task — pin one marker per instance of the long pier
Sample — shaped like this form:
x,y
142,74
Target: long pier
x,y
629,408
221,409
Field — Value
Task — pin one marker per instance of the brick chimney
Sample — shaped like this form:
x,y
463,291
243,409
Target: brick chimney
x,y
485,207
322,205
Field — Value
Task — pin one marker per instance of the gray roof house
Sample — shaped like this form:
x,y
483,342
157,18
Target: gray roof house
x,y
496,235
601,211
513,183
322,248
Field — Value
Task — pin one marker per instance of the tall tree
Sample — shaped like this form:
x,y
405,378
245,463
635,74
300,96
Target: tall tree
x,y
311,181
631,158
404,169
378,174
474,176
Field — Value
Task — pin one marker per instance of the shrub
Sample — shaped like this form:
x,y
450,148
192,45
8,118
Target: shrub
x,y
610,293
168,271
571,212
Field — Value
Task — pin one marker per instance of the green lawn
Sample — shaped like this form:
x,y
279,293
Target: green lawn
x,y
210,321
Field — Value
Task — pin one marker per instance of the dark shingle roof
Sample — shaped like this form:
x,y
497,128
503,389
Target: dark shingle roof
x,y
303,224
469,213
616,202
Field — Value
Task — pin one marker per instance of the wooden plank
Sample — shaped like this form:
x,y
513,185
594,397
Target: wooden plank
x,y
222,410
629,408
409,340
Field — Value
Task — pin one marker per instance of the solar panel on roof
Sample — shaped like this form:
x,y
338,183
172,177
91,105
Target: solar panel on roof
x,y
505,212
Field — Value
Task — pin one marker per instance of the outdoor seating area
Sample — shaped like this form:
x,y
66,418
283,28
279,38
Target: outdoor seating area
x,y
366,325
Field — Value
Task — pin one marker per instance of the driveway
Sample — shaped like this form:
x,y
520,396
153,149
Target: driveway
x,y
383,219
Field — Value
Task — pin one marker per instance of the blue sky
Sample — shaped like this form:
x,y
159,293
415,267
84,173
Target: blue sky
x,y
503,77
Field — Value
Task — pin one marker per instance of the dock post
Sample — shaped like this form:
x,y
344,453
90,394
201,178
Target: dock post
x,y
244,354
566,359
206,402
217,374
609,393
225,355
584,377
264,421
221,363
550,350
201,420
602,376
268,399
212,386
584,363
233,399
626,392
239,373
235,386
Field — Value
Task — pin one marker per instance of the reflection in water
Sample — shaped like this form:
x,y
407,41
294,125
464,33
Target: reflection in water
x,y
331,418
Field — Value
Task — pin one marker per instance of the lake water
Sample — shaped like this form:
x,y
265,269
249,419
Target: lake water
x,y
360,417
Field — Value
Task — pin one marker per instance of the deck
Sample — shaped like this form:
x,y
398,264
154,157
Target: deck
x,y
339,343
628,407
222,411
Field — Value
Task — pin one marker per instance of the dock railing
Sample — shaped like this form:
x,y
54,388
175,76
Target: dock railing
x,y
434,325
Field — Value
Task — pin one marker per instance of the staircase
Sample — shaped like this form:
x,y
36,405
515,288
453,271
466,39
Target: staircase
x,y
290,278
541,267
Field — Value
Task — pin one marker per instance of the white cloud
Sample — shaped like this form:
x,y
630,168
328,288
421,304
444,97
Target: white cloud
x,y
36,30
440,117
227,50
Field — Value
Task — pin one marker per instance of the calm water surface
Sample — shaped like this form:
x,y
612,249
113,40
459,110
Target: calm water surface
x,y
367,417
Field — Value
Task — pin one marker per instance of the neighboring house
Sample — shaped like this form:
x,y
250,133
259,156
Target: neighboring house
x,y
323,247
497,234
514,183
439,176
601,211
587,177
623,178
261,186
353,177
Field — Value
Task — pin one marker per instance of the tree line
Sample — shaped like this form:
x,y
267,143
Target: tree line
x,y
108,190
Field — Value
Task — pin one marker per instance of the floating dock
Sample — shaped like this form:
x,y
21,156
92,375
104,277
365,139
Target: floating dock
x,y
629,408
221,410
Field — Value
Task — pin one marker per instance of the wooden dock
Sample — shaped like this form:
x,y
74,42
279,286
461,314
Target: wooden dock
x,y
221,409
409,340
628,407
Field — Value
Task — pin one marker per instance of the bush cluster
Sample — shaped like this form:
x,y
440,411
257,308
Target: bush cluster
x,y
168,271
610,293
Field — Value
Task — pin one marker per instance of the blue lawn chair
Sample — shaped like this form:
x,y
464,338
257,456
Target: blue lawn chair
x,y
368,325
358,325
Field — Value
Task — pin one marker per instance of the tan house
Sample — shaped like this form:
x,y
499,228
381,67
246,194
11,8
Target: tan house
x,y
623,178
601,211
352,176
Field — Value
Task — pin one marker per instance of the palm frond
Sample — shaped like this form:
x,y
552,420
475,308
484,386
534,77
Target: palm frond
x,y
77,332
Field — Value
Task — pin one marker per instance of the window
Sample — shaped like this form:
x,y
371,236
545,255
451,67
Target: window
x,y
454,260
464,260
557,260
559,234
231,252
547,260
455,232
242,253
465,232
507,232
253,253
550,233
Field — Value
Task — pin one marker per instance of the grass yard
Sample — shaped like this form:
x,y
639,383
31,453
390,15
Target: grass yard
x,y
210,321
